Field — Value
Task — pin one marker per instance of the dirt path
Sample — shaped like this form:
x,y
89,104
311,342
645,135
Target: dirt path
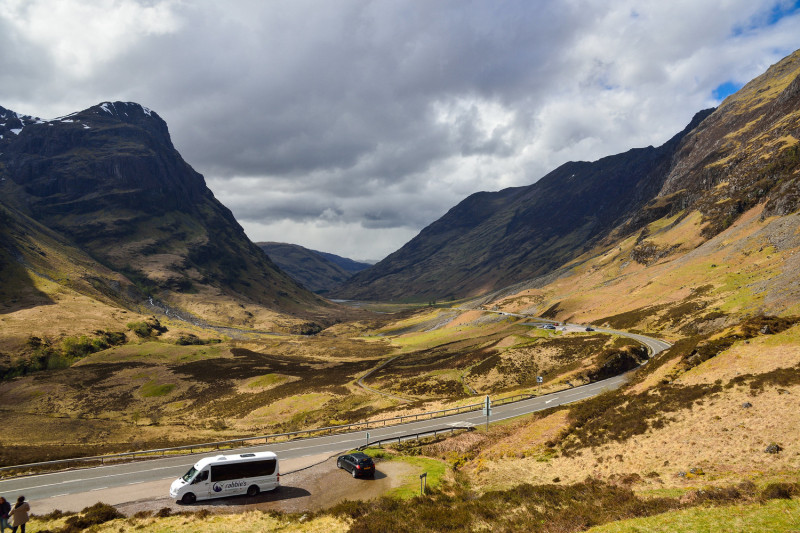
x,y
318,485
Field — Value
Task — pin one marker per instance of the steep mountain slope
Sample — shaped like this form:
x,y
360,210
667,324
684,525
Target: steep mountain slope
x,y
721,238
109,183
491,240
348,265
724,163
746,152
317,271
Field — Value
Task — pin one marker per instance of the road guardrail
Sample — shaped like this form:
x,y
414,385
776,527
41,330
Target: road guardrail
x,y
263,439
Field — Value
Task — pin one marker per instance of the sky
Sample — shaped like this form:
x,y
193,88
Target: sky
x,y
347,126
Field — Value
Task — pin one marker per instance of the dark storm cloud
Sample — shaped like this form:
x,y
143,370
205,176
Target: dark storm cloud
x,y
326,86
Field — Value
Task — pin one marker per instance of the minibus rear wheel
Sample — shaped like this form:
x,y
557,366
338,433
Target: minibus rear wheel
x,y
252,490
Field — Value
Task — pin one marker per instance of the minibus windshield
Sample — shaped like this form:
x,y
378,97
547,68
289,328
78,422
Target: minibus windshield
x,y
189,475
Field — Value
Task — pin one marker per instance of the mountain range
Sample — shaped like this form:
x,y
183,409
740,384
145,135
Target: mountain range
x,y
100,206
317,271
726,161
101,203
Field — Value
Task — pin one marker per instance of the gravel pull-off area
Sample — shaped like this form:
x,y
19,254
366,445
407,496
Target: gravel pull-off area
x,y
311,483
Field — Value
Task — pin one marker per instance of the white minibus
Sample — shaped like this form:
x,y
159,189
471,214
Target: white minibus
x,y
227,475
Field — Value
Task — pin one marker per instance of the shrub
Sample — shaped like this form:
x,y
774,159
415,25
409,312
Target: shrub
x,y
142,329
55,515
616,416
775,491
521,508
45,356
98,513
147,328
188,339
79,347
112,338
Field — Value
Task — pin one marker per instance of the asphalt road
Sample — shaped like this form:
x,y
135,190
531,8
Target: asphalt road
x,y
94,479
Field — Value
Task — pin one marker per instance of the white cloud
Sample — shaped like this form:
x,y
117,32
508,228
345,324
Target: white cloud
x,y
81,36
347,240
349,125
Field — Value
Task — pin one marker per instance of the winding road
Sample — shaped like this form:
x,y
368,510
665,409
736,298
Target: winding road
x,y
119,475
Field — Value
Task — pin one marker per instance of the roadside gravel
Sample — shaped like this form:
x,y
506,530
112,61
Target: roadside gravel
x,y
312,483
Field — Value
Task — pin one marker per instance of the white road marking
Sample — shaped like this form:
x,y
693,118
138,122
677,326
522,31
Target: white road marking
x,y
93,478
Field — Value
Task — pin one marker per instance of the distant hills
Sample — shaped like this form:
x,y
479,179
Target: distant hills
x,y
316,271
725,162
101,202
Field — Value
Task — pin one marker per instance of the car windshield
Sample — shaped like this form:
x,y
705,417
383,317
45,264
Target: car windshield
x,y
365,461
189,475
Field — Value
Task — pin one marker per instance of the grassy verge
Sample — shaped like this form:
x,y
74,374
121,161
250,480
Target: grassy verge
x,y
163,521
434,469
774,515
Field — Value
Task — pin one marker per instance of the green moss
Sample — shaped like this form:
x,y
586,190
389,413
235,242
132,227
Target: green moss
x,y
151,389
266,380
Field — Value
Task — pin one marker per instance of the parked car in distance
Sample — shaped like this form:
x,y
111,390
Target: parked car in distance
x,y
589,328
358,464
548,326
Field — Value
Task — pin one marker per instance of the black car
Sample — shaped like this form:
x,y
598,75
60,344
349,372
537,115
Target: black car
x,y
358,464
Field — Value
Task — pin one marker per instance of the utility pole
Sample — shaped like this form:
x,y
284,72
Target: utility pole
x,y
487,410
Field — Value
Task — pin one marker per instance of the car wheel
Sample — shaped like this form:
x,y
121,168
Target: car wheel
x,y
252,490
339,463
354,472
188,498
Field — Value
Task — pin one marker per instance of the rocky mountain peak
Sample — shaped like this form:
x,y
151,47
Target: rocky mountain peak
x,y
12,124
113,150
129,113
109,180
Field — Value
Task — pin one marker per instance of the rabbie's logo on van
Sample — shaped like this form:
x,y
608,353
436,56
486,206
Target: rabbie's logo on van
x,y
219,487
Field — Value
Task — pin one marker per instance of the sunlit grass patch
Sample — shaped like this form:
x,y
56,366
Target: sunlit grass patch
x,y
527,438
774,515
428,339
290,408
153,389
176,406
156,352
758,355
415,320
266,381
433,468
